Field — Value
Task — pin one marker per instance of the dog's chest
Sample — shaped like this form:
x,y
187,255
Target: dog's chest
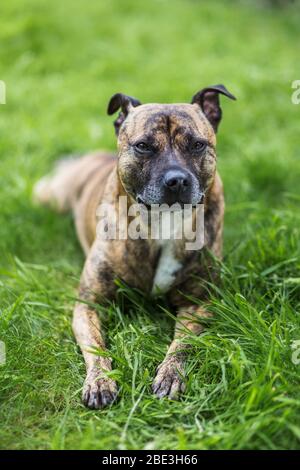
x,y
167,267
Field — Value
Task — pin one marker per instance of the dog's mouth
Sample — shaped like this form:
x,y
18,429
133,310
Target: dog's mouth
x,y
182,205
139,200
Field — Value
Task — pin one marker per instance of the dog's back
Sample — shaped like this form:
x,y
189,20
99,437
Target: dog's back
x,y
77,184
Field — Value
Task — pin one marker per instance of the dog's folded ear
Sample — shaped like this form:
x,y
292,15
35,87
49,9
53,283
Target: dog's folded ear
x,y
209,102
124,102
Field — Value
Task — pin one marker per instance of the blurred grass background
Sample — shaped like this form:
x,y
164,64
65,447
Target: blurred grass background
x,y
61,62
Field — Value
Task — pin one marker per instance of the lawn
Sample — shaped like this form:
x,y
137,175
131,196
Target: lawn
x,y
61,62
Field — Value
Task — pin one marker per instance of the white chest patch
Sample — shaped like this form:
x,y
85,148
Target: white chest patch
x,y
166,269
168,265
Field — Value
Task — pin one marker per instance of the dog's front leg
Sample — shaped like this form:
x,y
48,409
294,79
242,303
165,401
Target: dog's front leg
x,y
170,380
98,390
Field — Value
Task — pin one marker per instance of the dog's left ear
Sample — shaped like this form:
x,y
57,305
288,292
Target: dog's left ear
x,y
126,103
209,102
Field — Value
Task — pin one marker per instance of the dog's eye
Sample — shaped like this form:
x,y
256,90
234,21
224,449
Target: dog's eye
x,y
199,146
142,147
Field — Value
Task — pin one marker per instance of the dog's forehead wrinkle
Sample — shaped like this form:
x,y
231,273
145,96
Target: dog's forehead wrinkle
x,y
167,119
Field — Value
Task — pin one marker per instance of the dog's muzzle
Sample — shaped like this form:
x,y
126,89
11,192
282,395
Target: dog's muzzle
x,y
175,185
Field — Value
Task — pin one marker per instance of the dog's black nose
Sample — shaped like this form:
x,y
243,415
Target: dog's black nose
x,y
177,180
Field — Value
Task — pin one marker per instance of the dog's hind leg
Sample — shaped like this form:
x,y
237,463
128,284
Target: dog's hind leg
x,y
57,188
62,188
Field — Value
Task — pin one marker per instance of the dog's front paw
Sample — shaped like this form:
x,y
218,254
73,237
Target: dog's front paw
x,y
169,380
98,391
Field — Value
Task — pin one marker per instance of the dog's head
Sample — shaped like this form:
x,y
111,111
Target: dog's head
x,y
167,151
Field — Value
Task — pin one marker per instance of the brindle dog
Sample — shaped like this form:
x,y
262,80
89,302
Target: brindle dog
x,y
166,154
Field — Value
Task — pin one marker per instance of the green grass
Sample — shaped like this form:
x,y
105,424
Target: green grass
x,y
61,62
